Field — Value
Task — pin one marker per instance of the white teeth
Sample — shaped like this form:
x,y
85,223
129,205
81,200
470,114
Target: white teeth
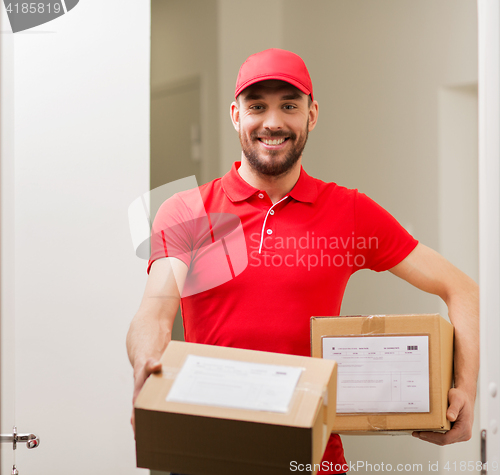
x,y
273,142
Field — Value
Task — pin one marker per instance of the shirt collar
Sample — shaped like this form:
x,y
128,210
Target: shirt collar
x,y
306,189
237,189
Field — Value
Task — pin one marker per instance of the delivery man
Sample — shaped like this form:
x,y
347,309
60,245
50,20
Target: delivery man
x,y
303,239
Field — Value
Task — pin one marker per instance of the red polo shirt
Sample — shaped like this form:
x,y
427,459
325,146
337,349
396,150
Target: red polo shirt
x,y
258,271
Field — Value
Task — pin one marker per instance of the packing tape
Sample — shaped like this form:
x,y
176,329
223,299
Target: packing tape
x,y
373,324
315,388
169,372
318,390
377,422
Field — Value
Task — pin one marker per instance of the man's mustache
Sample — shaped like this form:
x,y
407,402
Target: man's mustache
x,y
278,133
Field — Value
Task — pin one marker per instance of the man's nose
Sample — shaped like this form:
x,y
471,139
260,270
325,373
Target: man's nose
x,y
273,120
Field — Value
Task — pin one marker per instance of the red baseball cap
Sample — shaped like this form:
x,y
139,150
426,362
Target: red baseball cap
x,y
274,64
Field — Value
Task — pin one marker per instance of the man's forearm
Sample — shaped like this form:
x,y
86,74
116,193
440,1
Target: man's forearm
x,y
463,310
151,329
147,337
429,271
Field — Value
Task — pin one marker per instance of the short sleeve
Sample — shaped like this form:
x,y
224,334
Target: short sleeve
x,y
379,238
171,234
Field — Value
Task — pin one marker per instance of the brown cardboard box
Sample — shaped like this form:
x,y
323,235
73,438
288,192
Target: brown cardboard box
x,y
362,419
205,439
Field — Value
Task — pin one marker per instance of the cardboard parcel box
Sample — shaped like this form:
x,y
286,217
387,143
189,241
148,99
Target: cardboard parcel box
x,y
217,410
394,371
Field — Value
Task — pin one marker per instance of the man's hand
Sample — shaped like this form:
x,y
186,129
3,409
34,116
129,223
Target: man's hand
x,y
461,413
141,373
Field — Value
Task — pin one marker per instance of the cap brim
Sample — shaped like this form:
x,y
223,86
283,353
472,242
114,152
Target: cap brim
x,y
278,77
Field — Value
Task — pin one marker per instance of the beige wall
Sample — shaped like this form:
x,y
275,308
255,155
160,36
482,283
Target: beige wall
x,y
242,31
183,47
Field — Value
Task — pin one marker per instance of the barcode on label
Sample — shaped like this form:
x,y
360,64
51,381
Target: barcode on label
x,y
409,348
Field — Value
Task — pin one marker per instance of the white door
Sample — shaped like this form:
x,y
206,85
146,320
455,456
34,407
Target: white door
x,y
489,225
74,154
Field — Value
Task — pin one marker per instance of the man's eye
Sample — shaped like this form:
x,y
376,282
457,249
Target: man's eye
x,y
256,107
289,106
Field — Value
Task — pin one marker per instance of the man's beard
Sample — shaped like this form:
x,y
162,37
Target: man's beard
x,y
273,168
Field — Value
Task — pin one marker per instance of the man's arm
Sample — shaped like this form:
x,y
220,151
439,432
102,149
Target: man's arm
x,y
429,271
151,328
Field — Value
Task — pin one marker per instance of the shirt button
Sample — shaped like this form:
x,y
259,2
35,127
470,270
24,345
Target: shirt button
x,y
261,195
269,231
271,212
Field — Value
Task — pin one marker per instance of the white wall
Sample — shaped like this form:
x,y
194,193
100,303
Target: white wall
x,y
79,156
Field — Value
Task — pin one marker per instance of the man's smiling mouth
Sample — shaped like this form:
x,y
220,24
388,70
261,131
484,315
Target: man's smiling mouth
x,y
273,141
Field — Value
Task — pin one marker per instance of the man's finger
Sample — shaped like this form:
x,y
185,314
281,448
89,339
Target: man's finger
x,y
432,437
153,366
458,433
452,414
457,402
440,439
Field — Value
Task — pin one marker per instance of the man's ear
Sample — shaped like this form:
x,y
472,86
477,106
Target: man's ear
x,y
235,116
313,115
